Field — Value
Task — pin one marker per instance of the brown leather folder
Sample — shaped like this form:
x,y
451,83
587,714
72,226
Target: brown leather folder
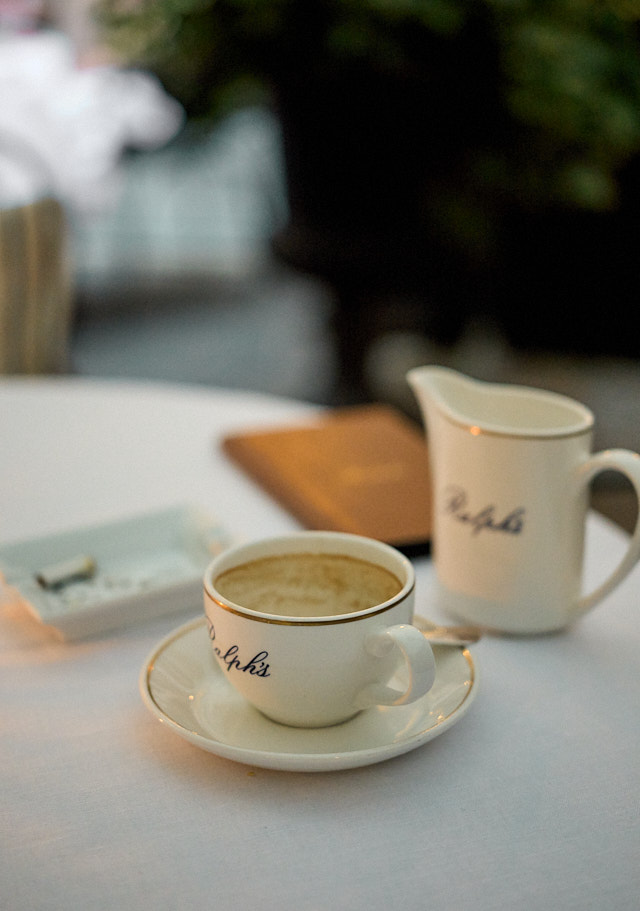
x,y
361,469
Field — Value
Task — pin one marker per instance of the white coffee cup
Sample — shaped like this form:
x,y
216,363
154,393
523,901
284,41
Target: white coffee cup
x,y
317,670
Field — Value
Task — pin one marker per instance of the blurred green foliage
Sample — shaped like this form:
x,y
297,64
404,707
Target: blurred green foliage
x,y
563,100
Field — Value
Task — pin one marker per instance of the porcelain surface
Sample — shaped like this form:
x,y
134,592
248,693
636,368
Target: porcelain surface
x,y
317,671
184,688
511,468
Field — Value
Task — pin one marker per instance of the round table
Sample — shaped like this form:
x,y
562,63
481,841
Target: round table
x,y
530,801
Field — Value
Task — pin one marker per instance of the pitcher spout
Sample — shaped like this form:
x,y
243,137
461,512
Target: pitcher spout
x,y
444,390
497,408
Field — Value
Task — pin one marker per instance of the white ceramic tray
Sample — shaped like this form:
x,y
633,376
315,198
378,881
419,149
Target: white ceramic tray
x,y
146,566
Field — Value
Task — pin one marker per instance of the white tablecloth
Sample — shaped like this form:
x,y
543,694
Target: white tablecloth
x,y
531,801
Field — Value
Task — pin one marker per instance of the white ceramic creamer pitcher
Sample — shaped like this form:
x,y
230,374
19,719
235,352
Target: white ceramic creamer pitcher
x,y
511,468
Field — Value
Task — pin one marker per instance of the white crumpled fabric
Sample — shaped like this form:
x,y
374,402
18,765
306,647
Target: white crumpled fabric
x,y
63,128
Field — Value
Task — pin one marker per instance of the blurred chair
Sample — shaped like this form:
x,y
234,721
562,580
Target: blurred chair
x,y
35,288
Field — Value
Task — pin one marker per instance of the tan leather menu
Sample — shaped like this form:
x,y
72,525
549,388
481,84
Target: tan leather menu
x,y
361,469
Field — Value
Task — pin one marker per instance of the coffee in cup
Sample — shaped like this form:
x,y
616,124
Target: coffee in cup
x,y
308,584
313,627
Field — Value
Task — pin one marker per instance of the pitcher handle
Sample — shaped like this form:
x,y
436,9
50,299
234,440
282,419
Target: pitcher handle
x,y
628,464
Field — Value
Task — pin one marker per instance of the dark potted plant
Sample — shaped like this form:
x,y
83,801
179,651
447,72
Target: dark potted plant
x,y
436,150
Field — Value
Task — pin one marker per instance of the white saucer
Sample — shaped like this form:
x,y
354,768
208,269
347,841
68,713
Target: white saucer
x,y
183,687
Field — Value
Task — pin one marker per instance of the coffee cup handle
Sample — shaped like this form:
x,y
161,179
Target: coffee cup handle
x,y
628,464
418,657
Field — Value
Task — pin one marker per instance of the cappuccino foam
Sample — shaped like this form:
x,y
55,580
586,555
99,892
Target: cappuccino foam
x,y
308,585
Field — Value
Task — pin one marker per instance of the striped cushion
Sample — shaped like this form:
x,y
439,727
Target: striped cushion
x,y
35,288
